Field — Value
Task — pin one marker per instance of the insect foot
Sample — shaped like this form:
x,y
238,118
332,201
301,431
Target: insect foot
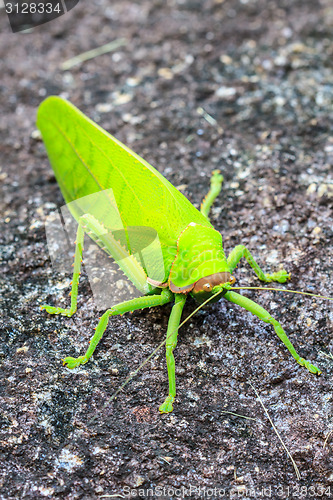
x,y
57,310
280,276
309,366
167,407
74,362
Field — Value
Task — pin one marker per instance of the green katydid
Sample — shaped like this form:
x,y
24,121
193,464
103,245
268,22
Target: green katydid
x,y
86,161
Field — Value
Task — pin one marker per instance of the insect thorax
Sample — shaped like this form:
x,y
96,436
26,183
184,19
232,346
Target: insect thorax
x,y
199,254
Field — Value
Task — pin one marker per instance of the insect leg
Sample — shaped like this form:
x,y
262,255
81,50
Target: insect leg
x,y
215,188
130,305
76,276
171,343
241,251
264,315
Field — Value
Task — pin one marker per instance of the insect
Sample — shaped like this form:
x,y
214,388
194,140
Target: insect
x,y
189,258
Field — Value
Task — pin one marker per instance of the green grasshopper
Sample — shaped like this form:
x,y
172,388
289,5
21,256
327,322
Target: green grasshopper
x,y
189,258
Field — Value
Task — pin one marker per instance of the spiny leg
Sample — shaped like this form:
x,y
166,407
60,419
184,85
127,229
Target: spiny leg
x,y
215,188
75,281
130,305
171,343
241,251
264,315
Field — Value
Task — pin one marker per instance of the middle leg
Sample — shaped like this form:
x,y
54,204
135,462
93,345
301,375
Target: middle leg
x,y
171,342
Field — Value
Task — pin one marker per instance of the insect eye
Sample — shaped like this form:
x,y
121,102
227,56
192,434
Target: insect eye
x,y
207,287
232,280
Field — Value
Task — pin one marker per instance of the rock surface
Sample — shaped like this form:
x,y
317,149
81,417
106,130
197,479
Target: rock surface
x,y
244,86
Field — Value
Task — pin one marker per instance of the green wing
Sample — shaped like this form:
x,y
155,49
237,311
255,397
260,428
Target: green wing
x,y
87,160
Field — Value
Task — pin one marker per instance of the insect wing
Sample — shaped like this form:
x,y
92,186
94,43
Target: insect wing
x,y
86,159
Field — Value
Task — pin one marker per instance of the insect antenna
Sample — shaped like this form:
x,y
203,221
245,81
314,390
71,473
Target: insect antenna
x,y
135,372
155,351
279,290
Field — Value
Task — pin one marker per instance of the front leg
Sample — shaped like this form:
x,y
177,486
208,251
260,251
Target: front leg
x,y
128,306
76,276
241,251
171,342
264,315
